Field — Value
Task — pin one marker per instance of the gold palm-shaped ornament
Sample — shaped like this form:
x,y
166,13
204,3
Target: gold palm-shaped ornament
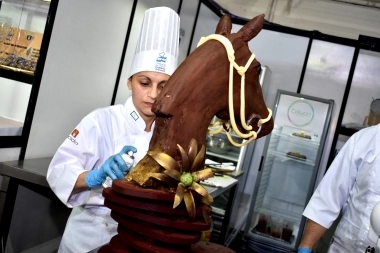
x,y
187,174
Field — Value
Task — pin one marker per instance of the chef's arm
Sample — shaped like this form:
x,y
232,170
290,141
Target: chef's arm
x,y
80,184
313,232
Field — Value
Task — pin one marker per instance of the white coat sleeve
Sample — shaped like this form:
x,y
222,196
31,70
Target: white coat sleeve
x,y
334,189
77,154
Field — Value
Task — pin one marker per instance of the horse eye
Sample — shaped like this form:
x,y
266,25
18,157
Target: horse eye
x,y
259,70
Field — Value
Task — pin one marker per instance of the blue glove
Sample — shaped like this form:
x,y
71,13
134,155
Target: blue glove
x,y
304,250
114,167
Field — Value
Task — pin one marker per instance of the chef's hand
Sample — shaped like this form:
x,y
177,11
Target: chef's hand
x,y
114,167
304,250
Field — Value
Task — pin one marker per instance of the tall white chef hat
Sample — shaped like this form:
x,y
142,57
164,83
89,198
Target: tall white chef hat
x,y
157,47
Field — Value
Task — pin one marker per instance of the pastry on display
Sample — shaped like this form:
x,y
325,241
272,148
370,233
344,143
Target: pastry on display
x,y
302,135
160,206
296,155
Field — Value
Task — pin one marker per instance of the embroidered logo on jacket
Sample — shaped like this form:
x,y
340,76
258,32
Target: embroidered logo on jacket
x,y
72,140
134,115
75,132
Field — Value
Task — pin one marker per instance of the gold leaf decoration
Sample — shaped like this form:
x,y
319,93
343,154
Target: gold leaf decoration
x,y
175,174
199,159
179,195
190,204
200,189
185,159
164,160
187,173
193,150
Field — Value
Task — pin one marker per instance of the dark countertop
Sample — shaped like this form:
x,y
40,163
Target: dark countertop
x,y
34,171
29,170
215,191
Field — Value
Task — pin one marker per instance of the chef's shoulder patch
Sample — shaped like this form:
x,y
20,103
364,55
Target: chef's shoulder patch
x,y
72,136
75,132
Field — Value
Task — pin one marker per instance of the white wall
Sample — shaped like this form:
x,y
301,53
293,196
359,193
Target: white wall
x,y
206,24
9,154
187,15
329,17
14,98
80,70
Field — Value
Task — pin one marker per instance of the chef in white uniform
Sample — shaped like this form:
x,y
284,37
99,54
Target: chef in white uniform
x,y
350,185
93,149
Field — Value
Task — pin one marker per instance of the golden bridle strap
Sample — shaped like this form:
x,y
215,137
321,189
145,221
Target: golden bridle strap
x,y
252,135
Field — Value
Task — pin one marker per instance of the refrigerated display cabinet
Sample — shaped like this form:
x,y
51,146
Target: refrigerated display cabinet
x,y
287,175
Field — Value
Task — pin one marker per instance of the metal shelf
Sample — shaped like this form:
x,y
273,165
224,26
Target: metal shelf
x,y
228,156
16,76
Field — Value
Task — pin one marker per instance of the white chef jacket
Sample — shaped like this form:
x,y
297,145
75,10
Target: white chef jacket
x,y
101,134
351,184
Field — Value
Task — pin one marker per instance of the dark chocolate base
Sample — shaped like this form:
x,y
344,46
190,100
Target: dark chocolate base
x,y
148,222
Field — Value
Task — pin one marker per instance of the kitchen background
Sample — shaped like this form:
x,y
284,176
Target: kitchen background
x,y
326,49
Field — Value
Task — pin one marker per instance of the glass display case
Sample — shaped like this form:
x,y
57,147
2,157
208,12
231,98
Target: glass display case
x,y
287,176
22,25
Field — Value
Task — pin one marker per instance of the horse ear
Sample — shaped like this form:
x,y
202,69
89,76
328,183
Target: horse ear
x,y
224,25
252,28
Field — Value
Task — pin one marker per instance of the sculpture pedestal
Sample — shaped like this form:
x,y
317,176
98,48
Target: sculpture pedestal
x,y
149,224
116,246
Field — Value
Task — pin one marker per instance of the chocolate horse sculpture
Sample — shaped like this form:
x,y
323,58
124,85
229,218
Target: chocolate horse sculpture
x,y
198,90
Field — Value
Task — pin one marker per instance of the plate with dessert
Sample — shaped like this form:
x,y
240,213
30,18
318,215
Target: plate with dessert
x,y
296,155
222,167
302,135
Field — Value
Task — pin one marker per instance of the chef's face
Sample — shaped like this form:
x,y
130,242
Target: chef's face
x,y
145,87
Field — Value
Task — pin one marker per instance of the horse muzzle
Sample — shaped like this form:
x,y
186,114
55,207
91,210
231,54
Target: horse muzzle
x,y
253,120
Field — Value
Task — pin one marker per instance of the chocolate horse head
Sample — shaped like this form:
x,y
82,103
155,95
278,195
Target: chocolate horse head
x,y
198,90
